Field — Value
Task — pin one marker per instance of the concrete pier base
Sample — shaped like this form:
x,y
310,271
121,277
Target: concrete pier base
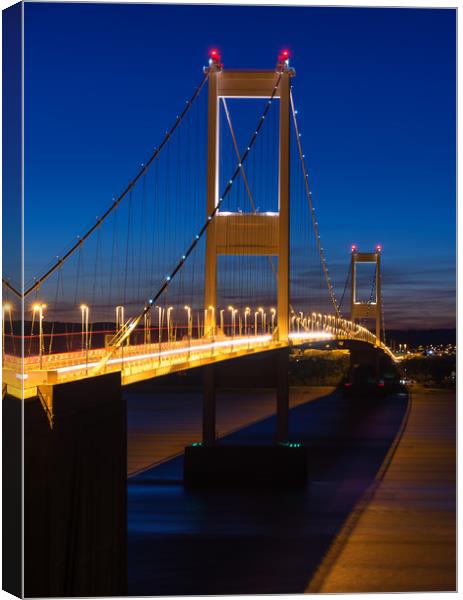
x,y
273,466
277,465
75,491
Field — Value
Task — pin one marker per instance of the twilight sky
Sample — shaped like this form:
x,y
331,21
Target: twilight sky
x,y
375,90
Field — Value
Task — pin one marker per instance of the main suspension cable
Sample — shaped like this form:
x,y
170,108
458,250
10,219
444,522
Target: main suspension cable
x,y
119,199
119,338
312,211
346,283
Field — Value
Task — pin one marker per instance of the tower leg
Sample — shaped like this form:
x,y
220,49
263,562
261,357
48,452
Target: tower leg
x,y
209,432
210,282
282,396
283,201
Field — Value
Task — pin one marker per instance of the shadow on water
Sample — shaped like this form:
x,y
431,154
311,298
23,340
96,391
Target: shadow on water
x,y
251,542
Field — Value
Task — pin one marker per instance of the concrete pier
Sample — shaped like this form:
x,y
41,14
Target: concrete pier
x,y
75,491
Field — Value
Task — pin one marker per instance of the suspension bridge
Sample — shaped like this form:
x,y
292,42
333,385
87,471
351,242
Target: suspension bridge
x,y
211,252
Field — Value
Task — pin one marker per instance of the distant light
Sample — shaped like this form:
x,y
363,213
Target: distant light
x,y
284,55
379,248
354,248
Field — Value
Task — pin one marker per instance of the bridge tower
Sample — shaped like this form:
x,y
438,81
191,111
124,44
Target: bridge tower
x,y
270,233
373,308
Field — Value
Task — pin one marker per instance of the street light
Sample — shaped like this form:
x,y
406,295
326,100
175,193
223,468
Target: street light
x,y
39,308
120,321
221,321
255,322
147,328
273,313
261,310
232,312
204,325
6,309
247,311
159,308
212,309
190,325
169,310
119,317
84,310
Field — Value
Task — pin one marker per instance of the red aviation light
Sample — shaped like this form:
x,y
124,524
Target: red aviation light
x,y
214,55
379,248
353,248
284,55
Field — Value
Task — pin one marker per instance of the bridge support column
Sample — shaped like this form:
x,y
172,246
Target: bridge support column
x,y
283,208
75,478
282,396
209,431
373,308
273,465
254,233
210,283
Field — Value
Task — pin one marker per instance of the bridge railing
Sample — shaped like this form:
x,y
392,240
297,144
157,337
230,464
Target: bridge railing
x,y
159,350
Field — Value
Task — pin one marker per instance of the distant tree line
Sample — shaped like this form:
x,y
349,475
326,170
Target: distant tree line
x,y
319,367
431,371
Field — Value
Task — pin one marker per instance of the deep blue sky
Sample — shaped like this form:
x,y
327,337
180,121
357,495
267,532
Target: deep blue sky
x,y
375,90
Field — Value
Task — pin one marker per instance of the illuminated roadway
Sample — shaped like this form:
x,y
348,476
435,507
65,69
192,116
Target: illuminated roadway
x,y
145,361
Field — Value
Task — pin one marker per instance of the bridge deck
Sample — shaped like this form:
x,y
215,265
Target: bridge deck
x,y
145,361
135,362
